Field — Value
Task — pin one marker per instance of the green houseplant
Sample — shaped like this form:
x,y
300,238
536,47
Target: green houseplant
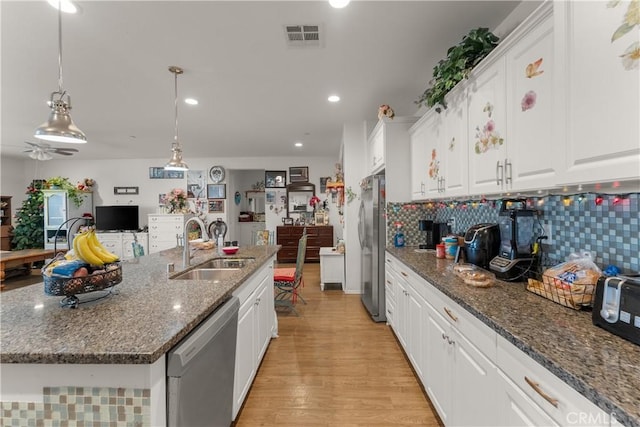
x,y
75,195
460,60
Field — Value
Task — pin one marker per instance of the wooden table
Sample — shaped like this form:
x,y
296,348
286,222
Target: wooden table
x,y
25,257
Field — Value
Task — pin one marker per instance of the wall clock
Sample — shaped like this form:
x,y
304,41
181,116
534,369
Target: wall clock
x,y
216,173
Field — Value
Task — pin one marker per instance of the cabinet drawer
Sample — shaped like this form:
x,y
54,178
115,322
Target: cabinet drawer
x,y
563,403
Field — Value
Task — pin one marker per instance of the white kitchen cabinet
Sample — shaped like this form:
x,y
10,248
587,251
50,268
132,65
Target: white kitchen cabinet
x,y
389,141
256,324
602,104
390,297
533,159
165,231
121,244
422,142
516,408
460,379
58,211
545,391
487,127
453,145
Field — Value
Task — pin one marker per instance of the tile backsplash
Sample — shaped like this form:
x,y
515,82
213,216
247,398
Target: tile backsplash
x,y
611,229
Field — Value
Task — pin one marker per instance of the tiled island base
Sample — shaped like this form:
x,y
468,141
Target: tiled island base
x,y
81,406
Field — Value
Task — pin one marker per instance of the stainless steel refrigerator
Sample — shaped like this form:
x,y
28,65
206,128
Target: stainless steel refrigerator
x,y
372,234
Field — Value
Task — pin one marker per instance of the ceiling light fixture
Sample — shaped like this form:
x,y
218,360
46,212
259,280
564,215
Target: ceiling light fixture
x,y
176,163
60,127
339,4
333,98
191,101
298,144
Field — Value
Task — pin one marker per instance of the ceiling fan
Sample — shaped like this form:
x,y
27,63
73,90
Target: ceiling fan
x,y
43,151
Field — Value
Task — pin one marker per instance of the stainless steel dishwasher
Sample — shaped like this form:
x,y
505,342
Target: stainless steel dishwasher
x,y
200,372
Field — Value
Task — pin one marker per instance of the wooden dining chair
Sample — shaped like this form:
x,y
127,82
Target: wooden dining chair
x,y
288,280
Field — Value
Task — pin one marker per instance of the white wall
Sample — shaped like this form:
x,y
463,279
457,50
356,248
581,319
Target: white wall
x,y
354,143
17,174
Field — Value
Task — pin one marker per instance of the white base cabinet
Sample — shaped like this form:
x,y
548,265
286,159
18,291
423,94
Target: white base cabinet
x,y
473,376
256,325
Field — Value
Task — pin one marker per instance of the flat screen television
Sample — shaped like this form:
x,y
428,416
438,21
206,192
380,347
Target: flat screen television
x,y
117,218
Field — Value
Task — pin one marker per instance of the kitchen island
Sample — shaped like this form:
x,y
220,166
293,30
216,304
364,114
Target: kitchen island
x,y
111,350
602,367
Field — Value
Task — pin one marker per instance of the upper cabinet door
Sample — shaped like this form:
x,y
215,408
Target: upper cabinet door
x,y
534,158
454,144
418,136
376,148
599,40
487,127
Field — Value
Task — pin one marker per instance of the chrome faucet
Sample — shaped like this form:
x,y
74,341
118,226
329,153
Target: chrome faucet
x,y
186,254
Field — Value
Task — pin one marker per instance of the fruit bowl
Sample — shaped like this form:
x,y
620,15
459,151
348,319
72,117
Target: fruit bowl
x,y
230,250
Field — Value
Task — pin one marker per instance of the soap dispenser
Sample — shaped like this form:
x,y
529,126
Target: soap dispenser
x,y
398,239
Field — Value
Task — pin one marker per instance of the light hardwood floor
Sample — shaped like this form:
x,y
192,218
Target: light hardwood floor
x,y
333,366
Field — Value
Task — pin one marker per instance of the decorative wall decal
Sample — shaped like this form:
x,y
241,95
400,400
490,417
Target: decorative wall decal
x,y
631,56
528,101
434,165
487,137
533,69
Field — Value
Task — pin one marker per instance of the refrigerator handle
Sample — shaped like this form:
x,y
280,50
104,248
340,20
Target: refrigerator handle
x,y
361,225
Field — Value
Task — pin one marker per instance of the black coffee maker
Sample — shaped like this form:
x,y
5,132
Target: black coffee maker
x,y
481,244
516,258
434,232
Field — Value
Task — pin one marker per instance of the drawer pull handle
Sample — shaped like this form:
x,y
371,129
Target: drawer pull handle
x,y
404,274
534,385
450,314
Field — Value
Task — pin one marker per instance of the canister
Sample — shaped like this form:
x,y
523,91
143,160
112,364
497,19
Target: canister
x,y
440,250
450,246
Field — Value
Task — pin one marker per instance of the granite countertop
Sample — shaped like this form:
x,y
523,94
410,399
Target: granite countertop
x,y
149,314
599,365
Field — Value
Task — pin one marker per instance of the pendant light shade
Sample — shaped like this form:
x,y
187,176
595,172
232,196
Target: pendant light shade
x,y
176,163
60,126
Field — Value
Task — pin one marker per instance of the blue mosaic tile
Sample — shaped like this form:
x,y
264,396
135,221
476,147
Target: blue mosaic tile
x,y
610,230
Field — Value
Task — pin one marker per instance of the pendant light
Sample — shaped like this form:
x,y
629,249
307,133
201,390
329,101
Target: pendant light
x,y
176,163
60,127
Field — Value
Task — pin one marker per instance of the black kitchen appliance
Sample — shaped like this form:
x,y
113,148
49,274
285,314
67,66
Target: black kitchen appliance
x,y
616,306
434,232
481,244
515,260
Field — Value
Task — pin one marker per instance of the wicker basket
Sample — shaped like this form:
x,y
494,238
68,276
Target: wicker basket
x,y
562,292
69,286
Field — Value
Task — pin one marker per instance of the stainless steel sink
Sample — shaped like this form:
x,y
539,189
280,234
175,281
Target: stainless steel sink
x,y
215,269
226,263
215,274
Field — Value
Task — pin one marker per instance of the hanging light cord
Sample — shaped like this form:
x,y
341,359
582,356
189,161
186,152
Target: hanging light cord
x,y
60,90
175,74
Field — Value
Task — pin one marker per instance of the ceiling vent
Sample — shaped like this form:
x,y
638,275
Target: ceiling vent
x,y
303,35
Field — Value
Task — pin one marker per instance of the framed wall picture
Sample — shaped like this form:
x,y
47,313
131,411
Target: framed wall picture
x,y
216,191
323,183
216,206
299,174
275,179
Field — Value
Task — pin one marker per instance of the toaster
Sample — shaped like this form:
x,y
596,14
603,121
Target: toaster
x,y
616,306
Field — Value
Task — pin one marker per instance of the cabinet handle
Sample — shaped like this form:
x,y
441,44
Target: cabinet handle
x,y
499,174
534,385
507,172
444,337
450,314
421,187
404,274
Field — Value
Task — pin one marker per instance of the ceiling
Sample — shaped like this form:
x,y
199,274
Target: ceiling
x,y
257,95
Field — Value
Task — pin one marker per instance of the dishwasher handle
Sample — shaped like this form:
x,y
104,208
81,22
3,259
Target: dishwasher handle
x,y
178,358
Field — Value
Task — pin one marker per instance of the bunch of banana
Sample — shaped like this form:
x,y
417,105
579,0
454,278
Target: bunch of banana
x,y
88,248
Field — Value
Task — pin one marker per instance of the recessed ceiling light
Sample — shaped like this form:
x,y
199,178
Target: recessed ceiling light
x,y
67,6
339,4
298,144
191,101
333,98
